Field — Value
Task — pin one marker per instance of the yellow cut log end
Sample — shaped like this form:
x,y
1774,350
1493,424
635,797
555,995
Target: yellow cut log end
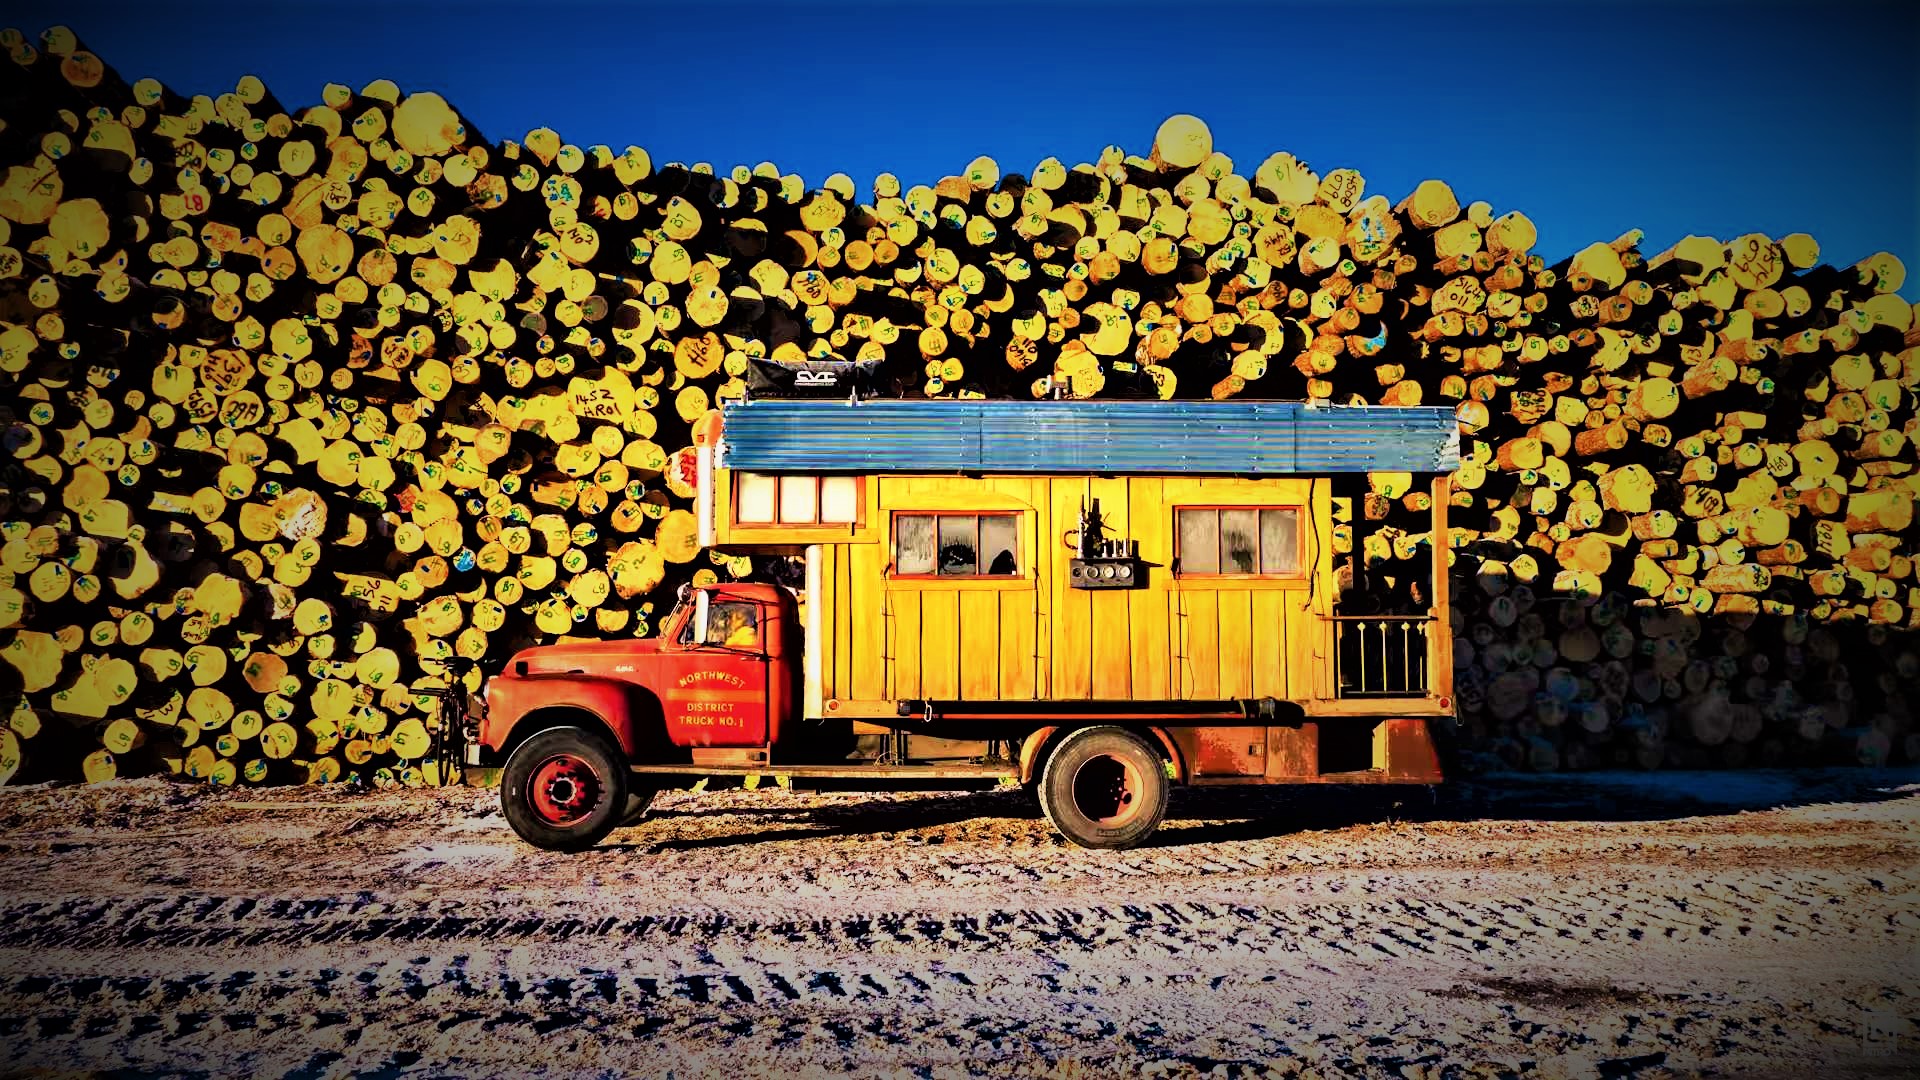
x,y
1182,142
425,124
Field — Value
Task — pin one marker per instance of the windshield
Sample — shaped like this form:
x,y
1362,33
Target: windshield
x,y
682,606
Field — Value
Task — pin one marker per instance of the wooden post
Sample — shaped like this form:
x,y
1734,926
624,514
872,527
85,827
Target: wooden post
x,y
1440,670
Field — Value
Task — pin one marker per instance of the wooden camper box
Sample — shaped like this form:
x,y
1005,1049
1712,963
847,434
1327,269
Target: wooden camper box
x,y
888,635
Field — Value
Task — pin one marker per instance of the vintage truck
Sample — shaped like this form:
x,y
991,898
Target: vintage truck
x,y
1098,600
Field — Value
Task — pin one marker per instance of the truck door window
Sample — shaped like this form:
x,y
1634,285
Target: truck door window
x,y
734,625
730,623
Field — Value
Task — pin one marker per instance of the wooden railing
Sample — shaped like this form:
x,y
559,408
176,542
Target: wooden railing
x,y
1382,655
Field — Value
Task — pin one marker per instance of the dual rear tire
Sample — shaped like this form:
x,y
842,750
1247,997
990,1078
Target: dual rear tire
x,y
1104,787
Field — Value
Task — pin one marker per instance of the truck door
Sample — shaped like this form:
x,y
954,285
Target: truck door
x,y
716,688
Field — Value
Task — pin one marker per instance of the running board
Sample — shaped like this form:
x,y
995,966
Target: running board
x,y
840,772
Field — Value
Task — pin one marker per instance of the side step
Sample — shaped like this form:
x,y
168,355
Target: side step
x,y
838,772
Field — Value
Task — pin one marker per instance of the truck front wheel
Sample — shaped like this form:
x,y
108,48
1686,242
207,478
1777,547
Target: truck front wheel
x,y
1104,787
564,789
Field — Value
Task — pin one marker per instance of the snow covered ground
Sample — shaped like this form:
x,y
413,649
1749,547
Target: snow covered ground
x,y
1734,924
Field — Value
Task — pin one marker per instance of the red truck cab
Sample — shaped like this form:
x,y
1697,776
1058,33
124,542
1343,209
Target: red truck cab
x,y
718,685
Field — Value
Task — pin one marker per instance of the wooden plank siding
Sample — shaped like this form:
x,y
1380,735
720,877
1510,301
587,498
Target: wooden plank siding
x,y
1034,637
1111,655
1072,608
1151,653
940,644
867,608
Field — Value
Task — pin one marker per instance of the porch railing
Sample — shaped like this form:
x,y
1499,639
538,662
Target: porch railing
x,y
1382,656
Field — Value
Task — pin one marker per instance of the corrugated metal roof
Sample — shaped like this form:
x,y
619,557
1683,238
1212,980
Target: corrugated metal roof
x,y
1102,437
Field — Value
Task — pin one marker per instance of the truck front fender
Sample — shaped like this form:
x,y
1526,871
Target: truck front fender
x,y
517,703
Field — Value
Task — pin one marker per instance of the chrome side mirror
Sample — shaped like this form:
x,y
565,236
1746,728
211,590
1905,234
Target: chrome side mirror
x,y
701,610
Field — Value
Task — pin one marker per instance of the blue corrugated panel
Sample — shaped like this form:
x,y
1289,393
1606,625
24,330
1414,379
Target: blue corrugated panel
x,y
1234,438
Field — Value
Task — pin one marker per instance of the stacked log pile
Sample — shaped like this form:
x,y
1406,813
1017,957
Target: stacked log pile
x,y
299,401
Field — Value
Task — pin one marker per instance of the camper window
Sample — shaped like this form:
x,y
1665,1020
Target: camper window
x,y
956,545
1238,541
759,499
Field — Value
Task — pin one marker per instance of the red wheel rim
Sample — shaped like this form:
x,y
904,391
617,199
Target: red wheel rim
x,y
1108,790
564,790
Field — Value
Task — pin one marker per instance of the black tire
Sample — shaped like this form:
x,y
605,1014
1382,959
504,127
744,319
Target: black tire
x,y
1104,787
564,789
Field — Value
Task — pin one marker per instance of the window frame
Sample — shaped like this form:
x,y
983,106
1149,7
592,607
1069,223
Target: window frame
x,y
683,636
893,545
818,480
1298,573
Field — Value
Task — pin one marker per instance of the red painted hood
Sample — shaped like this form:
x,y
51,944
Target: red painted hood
x,y
589,657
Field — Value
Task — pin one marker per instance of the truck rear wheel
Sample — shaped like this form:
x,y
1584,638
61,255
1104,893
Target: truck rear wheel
x,y
564,789
1104,787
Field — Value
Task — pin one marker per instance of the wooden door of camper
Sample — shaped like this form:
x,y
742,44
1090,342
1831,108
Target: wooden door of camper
x,y
1240,629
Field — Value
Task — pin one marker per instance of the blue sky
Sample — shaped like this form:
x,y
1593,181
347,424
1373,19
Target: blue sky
x,y
1593,118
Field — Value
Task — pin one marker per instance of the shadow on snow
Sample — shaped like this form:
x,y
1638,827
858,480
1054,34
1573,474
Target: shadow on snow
x,y
1201,815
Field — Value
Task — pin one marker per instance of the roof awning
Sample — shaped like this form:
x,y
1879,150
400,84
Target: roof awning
x,y
1228,438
